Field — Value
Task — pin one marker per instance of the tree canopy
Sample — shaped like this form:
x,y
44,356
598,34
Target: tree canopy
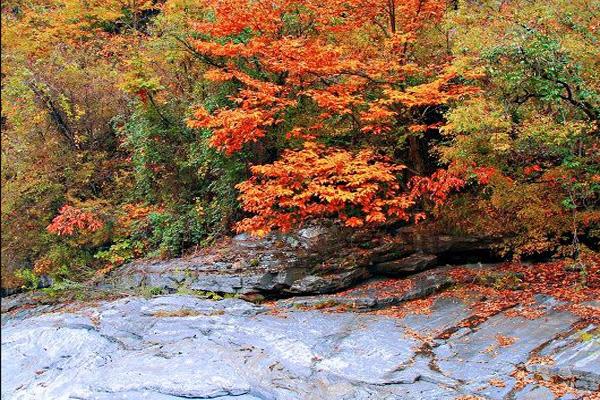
x,y
134,128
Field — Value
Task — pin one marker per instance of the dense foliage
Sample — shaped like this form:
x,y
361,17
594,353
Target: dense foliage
x,y
148,128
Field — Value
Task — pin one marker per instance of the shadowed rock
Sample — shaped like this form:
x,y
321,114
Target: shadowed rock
x,y
411,264
315,260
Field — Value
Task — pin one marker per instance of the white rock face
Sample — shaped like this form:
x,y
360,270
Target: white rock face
x,y
181,347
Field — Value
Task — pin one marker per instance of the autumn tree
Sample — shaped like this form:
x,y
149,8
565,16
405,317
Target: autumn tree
x,y
359,74
61,65
536,120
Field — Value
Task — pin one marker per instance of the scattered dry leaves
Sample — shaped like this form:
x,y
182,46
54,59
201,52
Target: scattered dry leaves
x,y
505,341
497,382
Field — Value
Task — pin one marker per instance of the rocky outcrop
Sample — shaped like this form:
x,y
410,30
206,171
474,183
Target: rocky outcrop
x,y
315,260
379,292
575,356
179,346
413,263
305,345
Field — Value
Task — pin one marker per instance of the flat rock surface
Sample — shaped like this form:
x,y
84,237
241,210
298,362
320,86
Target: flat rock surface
x,y
179,346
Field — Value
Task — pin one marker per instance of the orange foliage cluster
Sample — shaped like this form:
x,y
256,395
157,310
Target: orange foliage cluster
x,y
71,220
320,182
42,266
360,189
257,107
134,213
441,183
335,56
505,341
497,382
318,62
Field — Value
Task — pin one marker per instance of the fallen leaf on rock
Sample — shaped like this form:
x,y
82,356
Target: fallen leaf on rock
x,y
497,382
504,341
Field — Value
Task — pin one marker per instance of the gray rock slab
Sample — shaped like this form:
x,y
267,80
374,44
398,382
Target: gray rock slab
x,y
180,346
576,356
534,392
475,356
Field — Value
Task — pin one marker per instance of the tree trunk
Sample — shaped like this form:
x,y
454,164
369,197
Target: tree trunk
x,y
414,154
